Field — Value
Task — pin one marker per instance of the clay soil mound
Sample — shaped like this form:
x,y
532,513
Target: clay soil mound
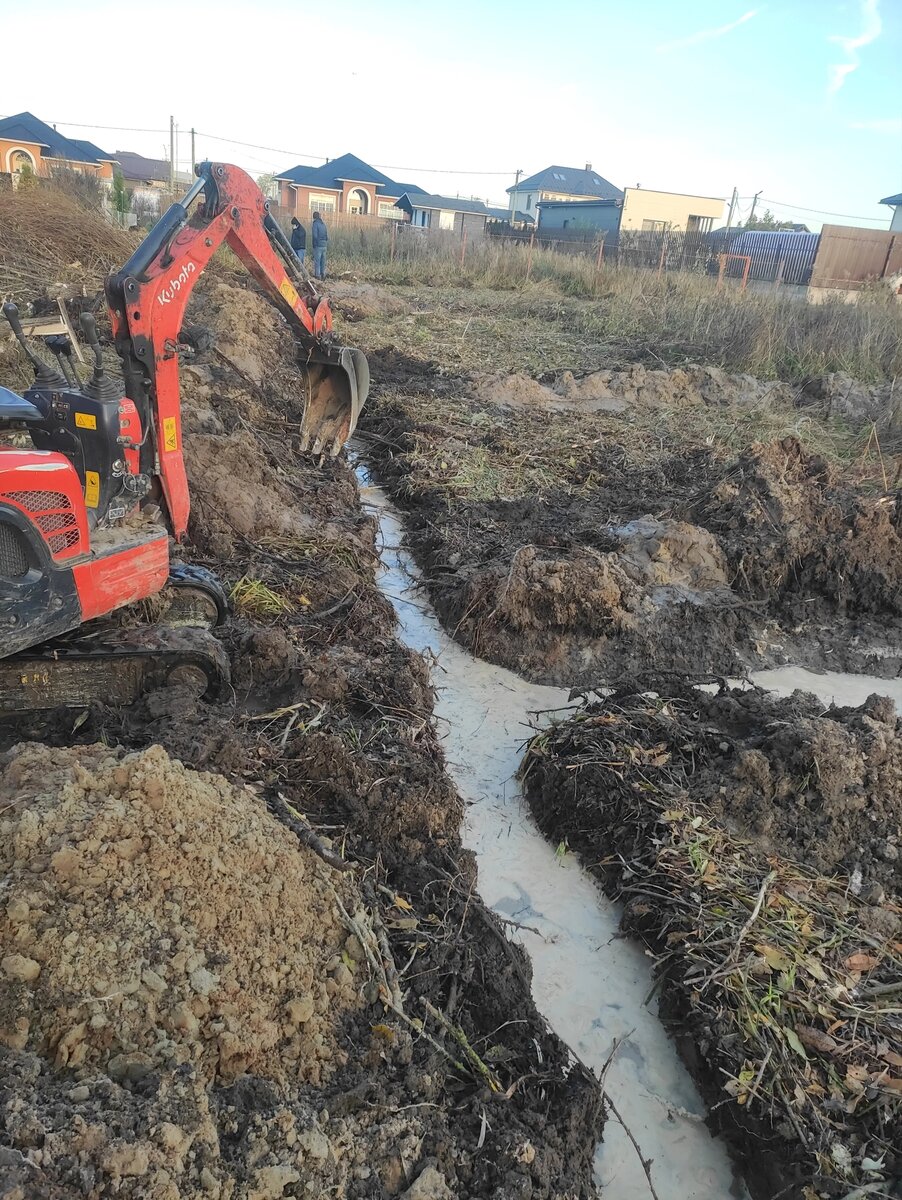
x,y
791,528
155,917
754,842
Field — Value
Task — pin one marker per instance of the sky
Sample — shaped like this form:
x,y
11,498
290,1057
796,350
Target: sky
x,y
798,100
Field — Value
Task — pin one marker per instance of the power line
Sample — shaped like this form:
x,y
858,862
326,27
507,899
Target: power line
x,y
215,137
381,166
118,128
820,211
254,146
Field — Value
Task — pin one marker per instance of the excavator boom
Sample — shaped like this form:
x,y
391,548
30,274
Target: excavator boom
x,y
147,301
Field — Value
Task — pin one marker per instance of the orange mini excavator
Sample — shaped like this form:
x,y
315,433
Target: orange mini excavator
x,y
87,511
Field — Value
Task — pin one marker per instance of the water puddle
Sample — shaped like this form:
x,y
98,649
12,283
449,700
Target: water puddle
x,y
591,985
832,687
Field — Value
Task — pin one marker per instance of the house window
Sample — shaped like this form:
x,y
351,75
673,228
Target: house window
x,y
421,217
358,202
699,224
528,203
17,160
654,226
445,219
322,203
557,176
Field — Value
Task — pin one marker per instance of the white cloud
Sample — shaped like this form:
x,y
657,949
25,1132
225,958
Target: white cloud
x,y
891,125
872,28
707,35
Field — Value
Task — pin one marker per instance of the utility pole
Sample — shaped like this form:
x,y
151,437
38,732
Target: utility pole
x,y
733,202
192,150
752,213
172,154
517,175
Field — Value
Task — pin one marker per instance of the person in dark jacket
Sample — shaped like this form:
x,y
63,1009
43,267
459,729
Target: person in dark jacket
x,y
298,239
320,241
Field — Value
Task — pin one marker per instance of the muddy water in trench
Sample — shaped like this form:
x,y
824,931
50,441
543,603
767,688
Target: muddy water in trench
x,y
590,984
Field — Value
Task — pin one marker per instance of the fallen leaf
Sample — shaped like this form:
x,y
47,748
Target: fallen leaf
x,y
404,905
890,1056
861,961
857,1077
793,1041
816,1039
813,967
895,1085
775,959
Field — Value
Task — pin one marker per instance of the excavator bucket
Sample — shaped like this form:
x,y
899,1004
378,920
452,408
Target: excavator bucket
x,y
337,385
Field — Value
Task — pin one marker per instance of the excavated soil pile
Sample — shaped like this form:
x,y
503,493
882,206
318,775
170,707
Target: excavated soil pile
x,y
792,529
356,301
523,502
697,810
156,917
330,722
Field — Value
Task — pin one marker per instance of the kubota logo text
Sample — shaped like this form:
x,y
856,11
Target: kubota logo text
x,y
174,286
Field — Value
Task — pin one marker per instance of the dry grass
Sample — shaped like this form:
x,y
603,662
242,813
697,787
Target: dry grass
x,y
630,313
253,598
50,241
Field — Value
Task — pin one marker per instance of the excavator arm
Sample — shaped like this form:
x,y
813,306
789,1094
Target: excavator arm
x,y
147,301
77,539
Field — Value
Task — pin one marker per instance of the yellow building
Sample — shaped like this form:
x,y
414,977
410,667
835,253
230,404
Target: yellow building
x,y
655,212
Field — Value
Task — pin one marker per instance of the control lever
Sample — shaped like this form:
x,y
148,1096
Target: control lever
x,y
44,375
99,386
61,349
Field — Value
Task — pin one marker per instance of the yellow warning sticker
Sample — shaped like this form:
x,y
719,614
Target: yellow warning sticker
x,y
85,420
170,434
92,489
287,290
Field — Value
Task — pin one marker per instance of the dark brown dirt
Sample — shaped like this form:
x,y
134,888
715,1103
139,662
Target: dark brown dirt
x,y
793,530
680,801
332,713
523,534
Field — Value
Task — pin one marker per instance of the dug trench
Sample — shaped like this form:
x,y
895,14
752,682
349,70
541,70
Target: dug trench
x,y
266,972
649,530
580,528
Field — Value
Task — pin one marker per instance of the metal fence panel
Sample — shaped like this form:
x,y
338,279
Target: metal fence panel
x,y
848,257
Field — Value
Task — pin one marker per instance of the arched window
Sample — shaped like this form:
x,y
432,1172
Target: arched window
x,y
358,201
18,159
